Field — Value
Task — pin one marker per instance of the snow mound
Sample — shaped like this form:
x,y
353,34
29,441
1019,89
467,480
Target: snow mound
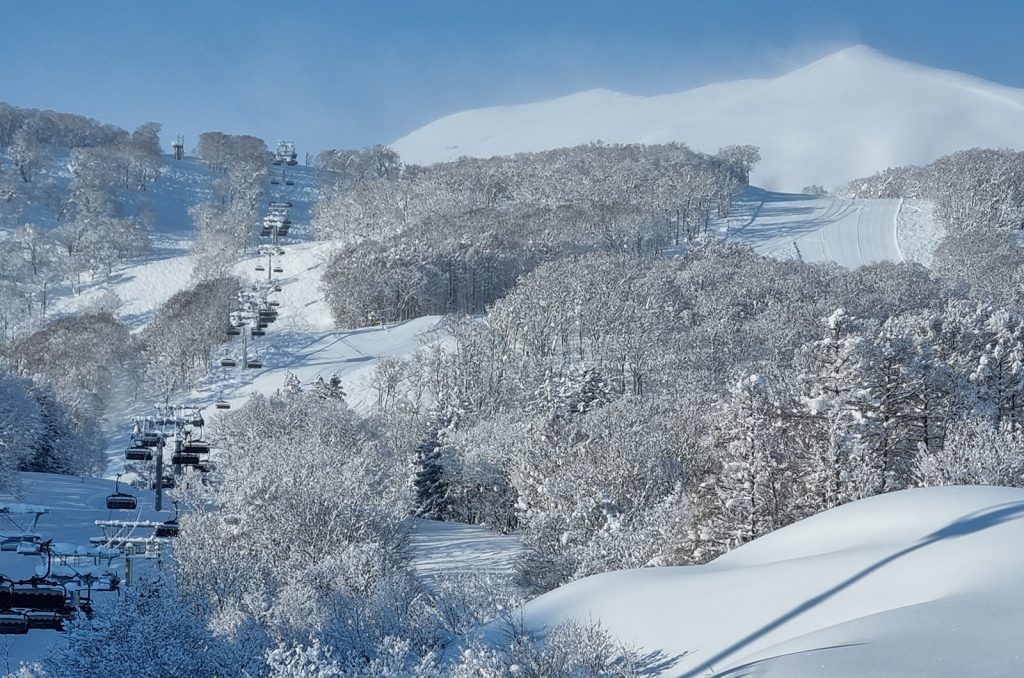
x,y
845,116
924,582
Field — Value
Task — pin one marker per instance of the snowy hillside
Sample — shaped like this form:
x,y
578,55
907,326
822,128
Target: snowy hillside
x,y
847,115
918,583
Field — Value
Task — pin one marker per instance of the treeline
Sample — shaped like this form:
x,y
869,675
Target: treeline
x,y
225,225
79,368
978,196
623,411
76,369
50,128
455,237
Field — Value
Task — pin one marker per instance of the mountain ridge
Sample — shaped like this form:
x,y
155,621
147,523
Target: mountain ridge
x,y
847,115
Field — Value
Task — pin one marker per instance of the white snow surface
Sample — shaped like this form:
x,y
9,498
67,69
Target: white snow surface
x,y
923,582
815,229
845,116
438,548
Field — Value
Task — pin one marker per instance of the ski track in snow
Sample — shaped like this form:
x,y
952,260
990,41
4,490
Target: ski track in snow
x,y
816,229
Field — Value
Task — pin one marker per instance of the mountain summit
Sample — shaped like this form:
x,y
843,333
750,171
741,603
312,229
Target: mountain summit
x,y
847,115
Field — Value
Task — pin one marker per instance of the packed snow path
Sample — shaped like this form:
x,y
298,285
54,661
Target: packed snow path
x,y
815,229
447,548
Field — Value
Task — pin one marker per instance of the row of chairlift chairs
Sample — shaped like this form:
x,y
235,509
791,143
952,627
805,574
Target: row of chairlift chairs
x,y
146,444
264,317
42,602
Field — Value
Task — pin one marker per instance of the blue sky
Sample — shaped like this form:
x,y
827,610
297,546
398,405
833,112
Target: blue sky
x,y
341,74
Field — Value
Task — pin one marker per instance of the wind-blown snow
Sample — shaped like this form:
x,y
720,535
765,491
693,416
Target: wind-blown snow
x,y
845,116
923,582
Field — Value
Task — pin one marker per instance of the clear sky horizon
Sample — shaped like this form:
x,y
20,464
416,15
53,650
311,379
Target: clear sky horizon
x,y
346,74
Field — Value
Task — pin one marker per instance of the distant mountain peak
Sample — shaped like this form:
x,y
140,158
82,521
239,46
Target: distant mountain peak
x,y
849,114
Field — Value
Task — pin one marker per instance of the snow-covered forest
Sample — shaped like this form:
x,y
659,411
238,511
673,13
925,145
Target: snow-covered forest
x,y
618,380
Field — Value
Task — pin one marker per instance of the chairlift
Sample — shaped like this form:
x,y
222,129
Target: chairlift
x,y
12,623
197,447
254,364
149,439
121,501
38,597
185,458
28,547
222,405
198,421
277,288
260,267
37,619
139,454
289,182
257,332
167,482
275,180
227,362
278,269
169,528
273,304
234,331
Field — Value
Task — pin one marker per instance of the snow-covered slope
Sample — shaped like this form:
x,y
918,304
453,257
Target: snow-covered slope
x,y
923,582
845,116
814,229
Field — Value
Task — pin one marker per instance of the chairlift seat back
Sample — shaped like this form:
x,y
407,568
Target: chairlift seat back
x,y
38,597
13,624
138,454
122,502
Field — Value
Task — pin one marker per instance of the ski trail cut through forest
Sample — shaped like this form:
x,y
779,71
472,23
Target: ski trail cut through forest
x,y
850,233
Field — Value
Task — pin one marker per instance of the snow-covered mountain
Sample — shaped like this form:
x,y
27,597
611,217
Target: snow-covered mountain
x,y
847,115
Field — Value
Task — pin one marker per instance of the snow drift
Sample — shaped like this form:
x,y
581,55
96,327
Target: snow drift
x,y
923,582
847,115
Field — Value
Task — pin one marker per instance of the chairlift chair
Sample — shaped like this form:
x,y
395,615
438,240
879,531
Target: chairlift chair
x,y
170,528
234,331
38,597
278,269
227,362
167,482
222,405
275,180
273,304
121,501
12,623
260,267
197,447
254,364
139,454
289,182
185,458
277,288
149,439
257,332
53,621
